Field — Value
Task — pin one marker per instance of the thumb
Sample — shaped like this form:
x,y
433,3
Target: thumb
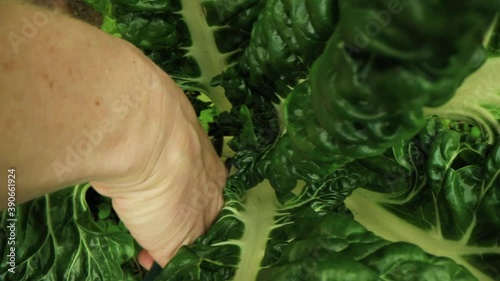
x,y
145,259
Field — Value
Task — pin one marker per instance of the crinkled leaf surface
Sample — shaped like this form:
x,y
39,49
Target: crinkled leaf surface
x,y
58,239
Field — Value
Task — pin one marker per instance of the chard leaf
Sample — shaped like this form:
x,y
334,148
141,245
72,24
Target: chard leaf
x,y
447,202
309,237
368,96
58,239
477,100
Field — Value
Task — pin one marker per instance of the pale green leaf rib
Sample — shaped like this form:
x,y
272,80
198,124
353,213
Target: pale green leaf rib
x,y
367,207
204,50
261,208
480,89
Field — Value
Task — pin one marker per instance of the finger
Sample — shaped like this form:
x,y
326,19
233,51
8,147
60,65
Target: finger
x,y
145,260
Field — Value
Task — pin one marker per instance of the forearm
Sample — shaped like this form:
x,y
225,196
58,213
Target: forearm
x,y
72,100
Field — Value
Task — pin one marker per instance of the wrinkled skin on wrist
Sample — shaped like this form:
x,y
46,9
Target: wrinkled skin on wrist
x,y
177,192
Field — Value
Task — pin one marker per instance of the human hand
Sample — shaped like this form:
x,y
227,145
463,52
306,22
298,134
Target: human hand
x,y
177,193
97,109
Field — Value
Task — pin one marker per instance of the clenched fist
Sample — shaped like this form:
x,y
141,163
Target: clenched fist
x,y
178,193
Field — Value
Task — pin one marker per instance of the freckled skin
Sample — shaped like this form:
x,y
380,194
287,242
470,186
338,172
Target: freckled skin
x,y
8,66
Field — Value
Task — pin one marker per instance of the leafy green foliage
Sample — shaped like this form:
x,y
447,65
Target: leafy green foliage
x,y
58,239
365,97
442,192
364,138
286,39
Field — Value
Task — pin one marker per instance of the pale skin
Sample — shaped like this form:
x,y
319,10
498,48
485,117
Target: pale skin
x,y
68,88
